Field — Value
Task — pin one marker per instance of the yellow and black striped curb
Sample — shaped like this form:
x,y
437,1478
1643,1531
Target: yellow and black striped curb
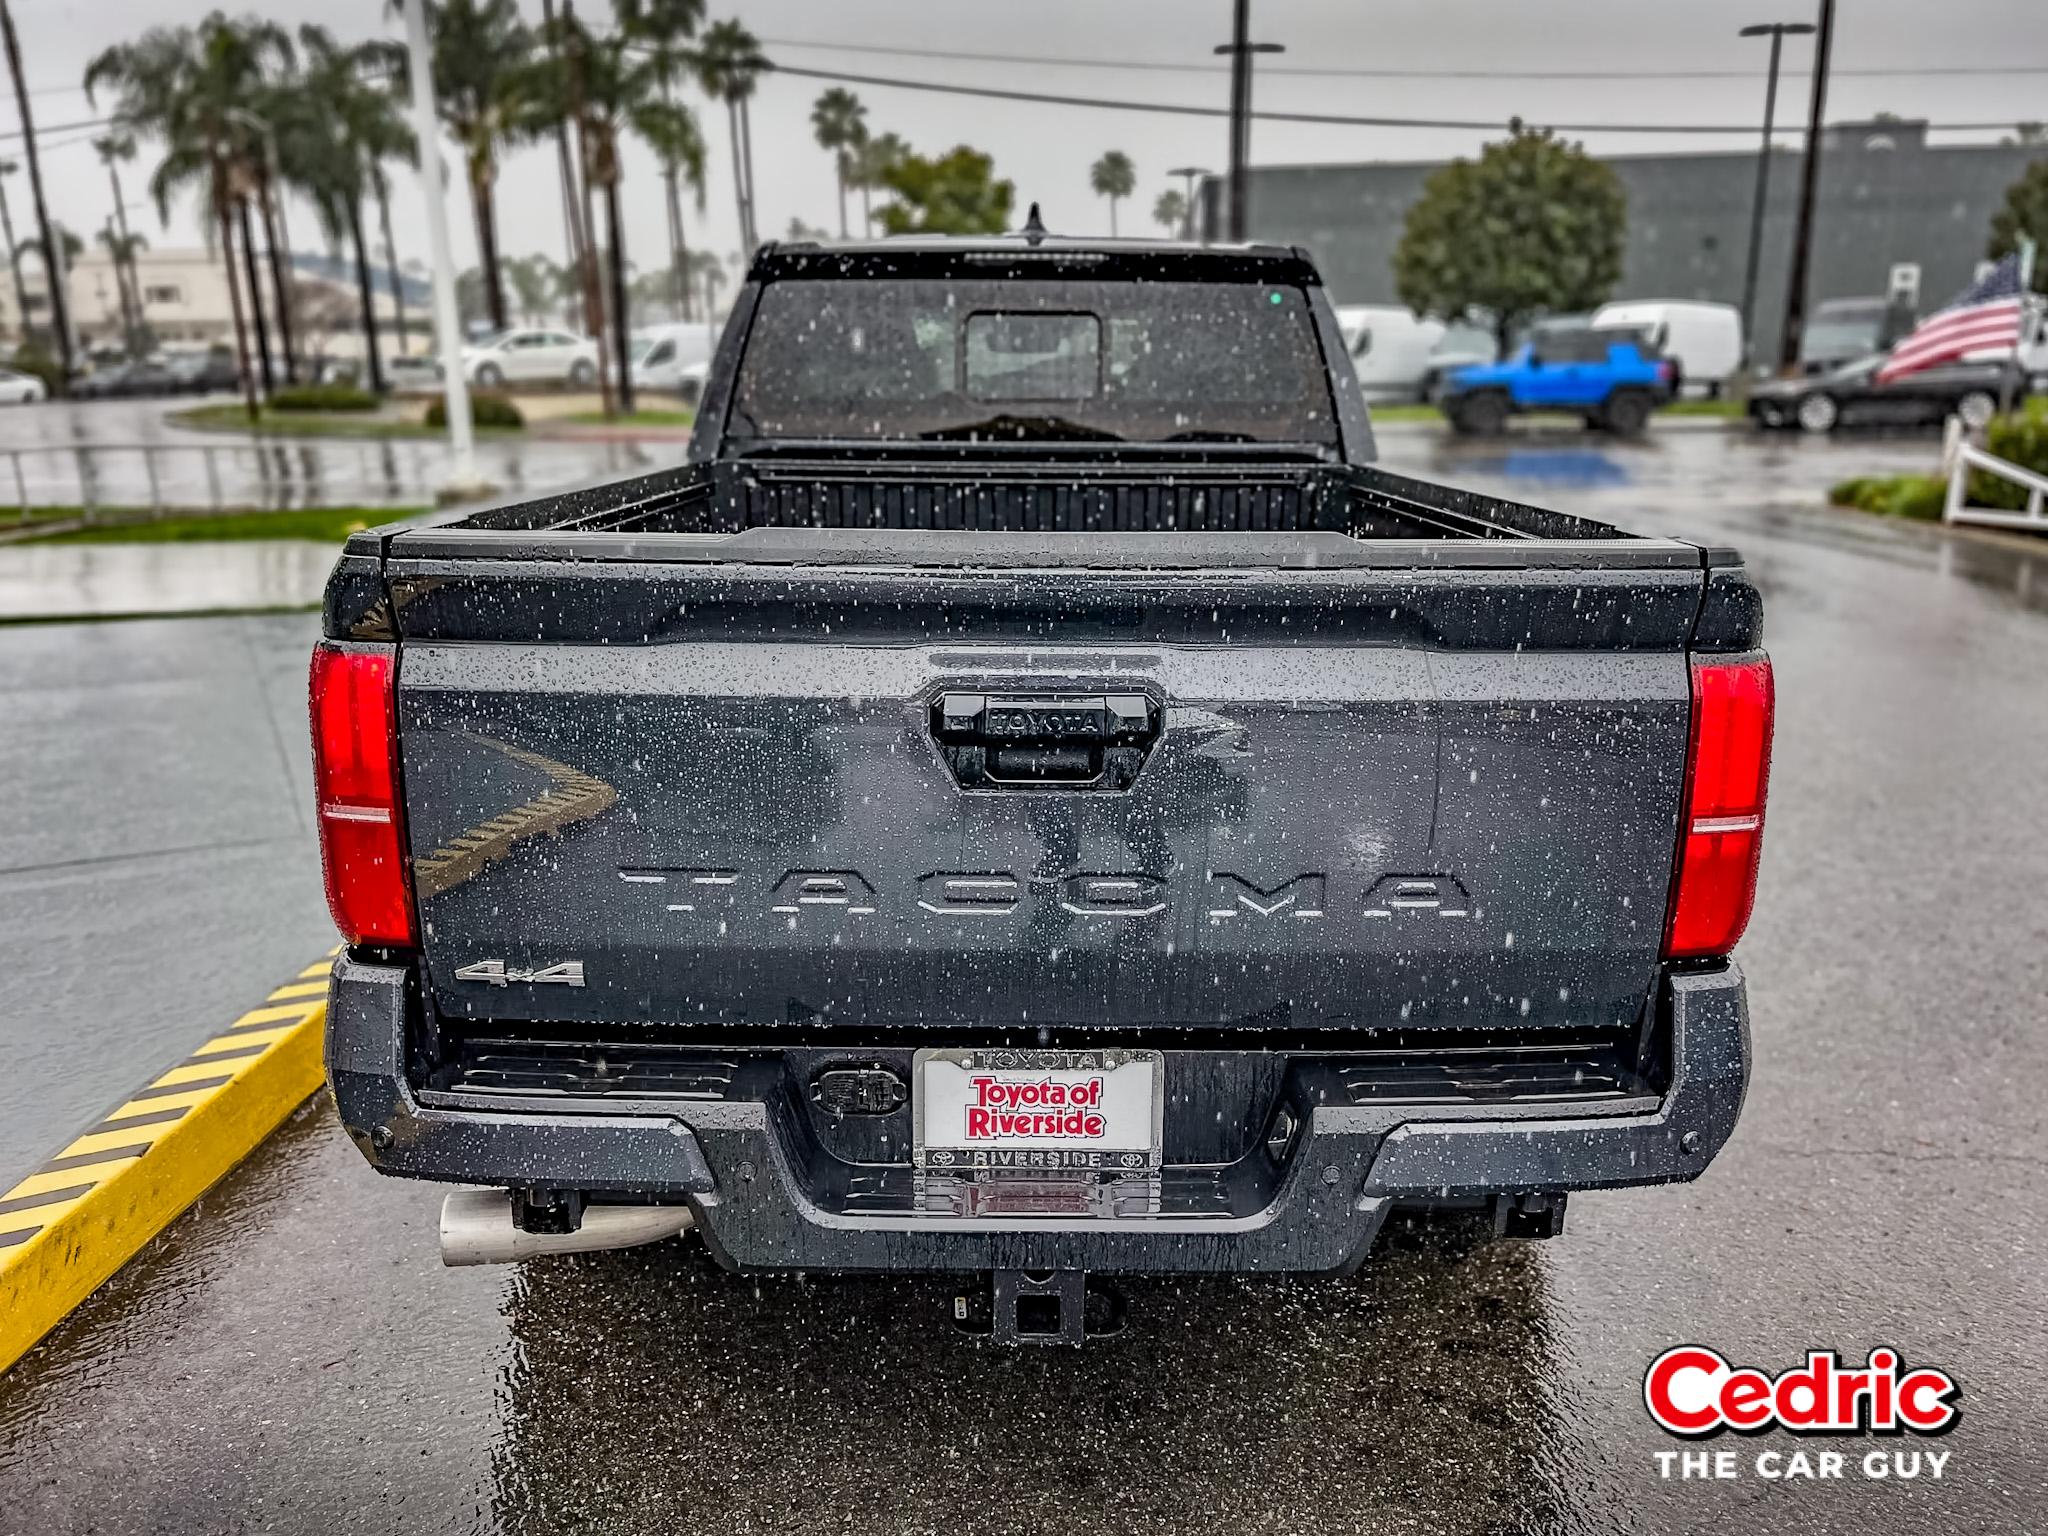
x,y
76,1220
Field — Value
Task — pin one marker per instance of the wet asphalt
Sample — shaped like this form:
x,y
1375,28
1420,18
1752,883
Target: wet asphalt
x,y
291,1356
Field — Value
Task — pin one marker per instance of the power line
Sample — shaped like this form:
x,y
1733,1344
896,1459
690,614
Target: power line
x,y
1347,73
1331,119
49,128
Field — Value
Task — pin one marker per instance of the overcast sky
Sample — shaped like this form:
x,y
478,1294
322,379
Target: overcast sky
x,y
1046,150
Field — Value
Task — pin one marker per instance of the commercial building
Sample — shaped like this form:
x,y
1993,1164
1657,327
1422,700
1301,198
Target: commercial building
x,y
184,295
1888,202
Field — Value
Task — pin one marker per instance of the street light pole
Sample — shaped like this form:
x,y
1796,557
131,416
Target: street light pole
x,y
1809,176
464,481
1241,48
1190,174
1777,31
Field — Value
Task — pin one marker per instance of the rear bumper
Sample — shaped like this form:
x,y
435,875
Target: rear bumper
x,y
763,1203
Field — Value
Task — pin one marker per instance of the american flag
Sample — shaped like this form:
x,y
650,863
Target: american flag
x,y
1985,317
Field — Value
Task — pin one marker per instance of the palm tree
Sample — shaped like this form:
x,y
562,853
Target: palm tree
x,y
1113,177
7,169
483,61
839,123
874,159
187,88
610,88
729,65
707,271
662,30
535,280
121,249
1171,210
113,148
347,125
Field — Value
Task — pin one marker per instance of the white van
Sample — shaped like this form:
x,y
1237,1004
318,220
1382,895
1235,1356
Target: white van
x,y
1703,341
671,359
1390,348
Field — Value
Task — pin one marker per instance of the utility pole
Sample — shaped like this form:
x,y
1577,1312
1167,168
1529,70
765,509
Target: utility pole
x,y
463,482
1189,174
1809,176
53,270
1241,48
1777,31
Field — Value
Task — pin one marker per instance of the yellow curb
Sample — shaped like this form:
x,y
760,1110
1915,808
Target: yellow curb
x,y
54,1255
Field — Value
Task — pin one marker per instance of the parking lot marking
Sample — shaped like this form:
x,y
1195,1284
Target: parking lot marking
x,y
72,1223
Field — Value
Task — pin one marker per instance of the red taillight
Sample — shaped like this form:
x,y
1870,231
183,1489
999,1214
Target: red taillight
x,y
355,788
1727,771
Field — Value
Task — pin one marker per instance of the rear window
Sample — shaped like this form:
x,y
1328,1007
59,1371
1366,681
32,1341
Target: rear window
x,y
995,360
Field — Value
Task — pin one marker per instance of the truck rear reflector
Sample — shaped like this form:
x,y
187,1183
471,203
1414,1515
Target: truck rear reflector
x,y
355,786
1728,769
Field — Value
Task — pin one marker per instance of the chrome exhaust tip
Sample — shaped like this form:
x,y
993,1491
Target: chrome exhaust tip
x,y
477,1228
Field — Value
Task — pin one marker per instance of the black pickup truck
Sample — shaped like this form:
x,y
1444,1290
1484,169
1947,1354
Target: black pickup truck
x,y
1028,796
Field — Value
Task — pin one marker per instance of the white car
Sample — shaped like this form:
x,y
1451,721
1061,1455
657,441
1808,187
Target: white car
x,y
20,388
531,357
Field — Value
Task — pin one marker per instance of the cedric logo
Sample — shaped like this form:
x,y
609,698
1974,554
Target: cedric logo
x,y
1694,1392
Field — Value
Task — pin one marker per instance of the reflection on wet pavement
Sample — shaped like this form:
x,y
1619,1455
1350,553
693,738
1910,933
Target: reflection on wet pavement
x,y
126,455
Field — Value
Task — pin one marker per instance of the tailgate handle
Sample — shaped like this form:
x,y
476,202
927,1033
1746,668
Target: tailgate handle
x,y
1045,741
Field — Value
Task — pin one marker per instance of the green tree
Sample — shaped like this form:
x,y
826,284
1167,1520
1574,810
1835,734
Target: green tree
x,y
1171,210
189,89
1534,225
2024,212
483,60
662,29
953,194
839,123
729,65
1113,177
872,161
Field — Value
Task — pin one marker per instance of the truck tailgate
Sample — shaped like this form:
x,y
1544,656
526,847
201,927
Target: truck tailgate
x,y
950,799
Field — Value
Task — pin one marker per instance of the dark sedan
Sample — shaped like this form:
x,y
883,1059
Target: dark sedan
x,y
1852,396
127,381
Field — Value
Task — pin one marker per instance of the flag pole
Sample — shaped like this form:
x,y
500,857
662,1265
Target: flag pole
x,y
2014,374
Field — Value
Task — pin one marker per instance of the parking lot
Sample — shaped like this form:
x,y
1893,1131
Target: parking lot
x,y
291,1352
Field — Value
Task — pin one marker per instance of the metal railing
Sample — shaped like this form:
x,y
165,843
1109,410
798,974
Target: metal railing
x,y
1961,456
110,482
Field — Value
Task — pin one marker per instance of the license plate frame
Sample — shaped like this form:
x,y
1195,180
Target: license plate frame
x,y
1123,1151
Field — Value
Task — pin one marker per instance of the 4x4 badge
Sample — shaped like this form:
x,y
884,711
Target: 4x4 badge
x,y
497,973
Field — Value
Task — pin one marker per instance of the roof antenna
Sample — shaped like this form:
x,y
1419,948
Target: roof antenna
x,y
1034,226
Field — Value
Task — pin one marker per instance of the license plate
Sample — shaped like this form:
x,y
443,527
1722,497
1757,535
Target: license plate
x,y
1089,1111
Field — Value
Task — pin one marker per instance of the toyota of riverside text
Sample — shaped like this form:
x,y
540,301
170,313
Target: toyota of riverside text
x,y
1027,798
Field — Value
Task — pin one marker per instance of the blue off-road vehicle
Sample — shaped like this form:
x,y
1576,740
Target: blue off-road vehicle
x,y
1611,378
